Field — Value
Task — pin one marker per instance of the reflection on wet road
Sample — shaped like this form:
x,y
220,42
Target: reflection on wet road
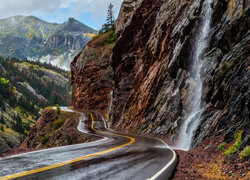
x,y
116,157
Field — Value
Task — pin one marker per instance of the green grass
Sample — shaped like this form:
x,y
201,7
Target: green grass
x,y
57,124
109,38
5,81
245,153
235,147
222,146
34,66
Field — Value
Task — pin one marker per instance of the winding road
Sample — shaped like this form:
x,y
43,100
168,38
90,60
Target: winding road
x,y
116,157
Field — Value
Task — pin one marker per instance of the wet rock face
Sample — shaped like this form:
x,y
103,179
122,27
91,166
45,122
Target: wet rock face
x,y
92,78
127,9
153,80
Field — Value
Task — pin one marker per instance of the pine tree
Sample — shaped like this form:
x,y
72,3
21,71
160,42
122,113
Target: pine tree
x,y
110,17
18,126
55,99
1,119
2,103
110,20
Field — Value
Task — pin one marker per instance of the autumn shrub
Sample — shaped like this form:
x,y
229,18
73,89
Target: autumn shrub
x,y
245,153
235,147
110,38
222,146
57,124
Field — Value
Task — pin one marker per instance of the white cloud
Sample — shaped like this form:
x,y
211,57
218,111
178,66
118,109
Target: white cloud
x,y
47,8
27,7
99,8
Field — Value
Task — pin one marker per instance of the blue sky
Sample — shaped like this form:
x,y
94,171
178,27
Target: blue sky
x,y
90,12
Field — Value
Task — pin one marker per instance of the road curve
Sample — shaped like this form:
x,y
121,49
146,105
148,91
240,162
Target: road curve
x,y
116,157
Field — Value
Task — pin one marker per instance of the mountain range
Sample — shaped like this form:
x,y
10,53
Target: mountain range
x,y
28,37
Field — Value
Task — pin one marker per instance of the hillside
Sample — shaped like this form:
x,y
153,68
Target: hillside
x,y
25,88
30,37
179,71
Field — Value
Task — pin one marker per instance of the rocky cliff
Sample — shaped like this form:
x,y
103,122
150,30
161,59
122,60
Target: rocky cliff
x,y
153,77
154,73
91,76
69,35
127,9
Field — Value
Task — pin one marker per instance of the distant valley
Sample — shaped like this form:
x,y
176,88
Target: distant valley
x,y
28,37
26,87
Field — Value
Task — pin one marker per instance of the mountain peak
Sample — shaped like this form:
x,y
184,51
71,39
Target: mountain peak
x,y
73,25
29,36
71,19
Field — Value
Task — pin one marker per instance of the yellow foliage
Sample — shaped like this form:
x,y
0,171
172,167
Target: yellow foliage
x,y
107,117
30,34
246,177
89,35
26,63
212,170
32,66
49,108
148,128
232,8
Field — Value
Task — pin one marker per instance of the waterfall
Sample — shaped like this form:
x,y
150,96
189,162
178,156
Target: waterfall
x,y
192,121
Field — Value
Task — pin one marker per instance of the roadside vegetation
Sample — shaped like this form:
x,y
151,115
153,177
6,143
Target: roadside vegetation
x,y
236,146
245,153
229,161
57,124
60,131
222,146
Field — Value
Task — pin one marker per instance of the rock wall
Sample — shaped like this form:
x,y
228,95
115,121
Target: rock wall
x,y
91,77
153,81
127,9
151,70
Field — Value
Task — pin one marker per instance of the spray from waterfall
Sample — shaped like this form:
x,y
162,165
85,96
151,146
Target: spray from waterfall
x,y
193,119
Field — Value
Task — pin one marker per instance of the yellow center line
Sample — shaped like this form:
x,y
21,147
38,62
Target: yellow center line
x,y
132,140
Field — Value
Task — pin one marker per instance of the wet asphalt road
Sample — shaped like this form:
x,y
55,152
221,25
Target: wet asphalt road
x,y
122,157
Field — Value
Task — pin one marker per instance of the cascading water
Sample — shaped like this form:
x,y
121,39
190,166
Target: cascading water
x,y
192,122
